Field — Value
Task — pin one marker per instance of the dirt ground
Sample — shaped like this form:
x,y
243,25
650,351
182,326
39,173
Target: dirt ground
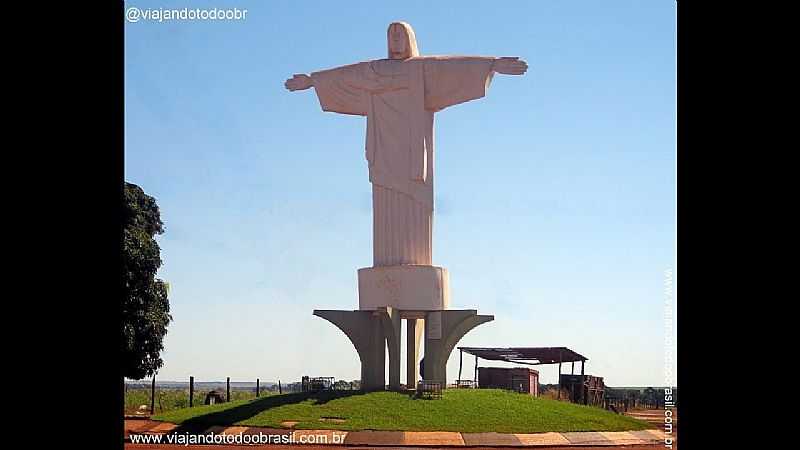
x,y
655,417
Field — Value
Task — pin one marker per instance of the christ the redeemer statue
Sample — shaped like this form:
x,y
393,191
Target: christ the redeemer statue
x,y
399,96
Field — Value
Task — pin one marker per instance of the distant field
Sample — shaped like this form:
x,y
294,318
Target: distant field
x,y
171,399
468,410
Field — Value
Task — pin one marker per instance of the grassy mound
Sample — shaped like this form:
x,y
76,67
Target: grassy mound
x,y
468,410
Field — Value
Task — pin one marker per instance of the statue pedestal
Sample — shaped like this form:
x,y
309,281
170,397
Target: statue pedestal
x,y
372,332
406,287
387,295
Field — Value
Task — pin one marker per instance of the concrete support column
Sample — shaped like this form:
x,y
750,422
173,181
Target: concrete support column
x,y
391,323
443,330
413,338
365,330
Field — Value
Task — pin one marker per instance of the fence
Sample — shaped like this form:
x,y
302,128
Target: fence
x,y
152,398
149,397
623,403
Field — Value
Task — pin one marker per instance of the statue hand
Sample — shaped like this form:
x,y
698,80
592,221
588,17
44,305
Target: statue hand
x,y
299,82
510,65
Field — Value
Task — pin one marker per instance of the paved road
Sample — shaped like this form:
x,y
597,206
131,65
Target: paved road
x,y
655,417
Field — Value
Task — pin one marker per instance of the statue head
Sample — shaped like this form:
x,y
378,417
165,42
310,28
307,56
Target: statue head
x,y
402,42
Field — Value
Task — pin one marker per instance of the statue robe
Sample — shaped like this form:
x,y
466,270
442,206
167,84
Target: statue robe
x,y
399,98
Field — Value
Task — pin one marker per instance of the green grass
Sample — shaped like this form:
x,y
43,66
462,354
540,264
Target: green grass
x,y
468,410
171,399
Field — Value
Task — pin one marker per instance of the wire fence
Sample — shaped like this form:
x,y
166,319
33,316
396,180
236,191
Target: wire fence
x,y
149,397
145,398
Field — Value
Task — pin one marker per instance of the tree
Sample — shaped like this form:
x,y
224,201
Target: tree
x,y
145,306
341,385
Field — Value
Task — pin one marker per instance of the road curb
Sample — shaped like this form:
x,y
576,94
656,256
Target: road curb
x,y
416,438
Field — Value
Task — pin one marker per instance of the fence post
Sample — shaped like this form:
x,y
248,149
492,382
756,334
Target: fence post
x,y
280,391
191,391
257,387
229,388
153,396
559,374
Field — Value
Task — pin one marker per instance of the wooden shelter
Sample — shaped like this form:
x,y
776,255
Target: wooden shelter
x,y
531,356
519,379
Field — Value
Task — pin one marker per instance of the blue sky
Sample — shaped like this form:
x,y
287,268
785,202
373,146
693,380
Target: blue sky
x,y
555,193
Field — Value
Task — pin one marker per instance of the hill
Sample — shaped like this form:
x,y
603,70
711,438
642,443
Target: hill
x,y
467,410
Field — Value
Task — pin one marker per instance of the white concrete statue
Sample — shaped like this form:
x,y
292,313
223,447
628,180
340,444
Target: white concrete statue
x,y
399,96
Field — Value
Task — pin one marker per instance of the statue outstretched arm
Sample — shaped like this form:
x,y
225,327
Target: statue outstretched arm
x,y
337,89
299,82
450,80
510,65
